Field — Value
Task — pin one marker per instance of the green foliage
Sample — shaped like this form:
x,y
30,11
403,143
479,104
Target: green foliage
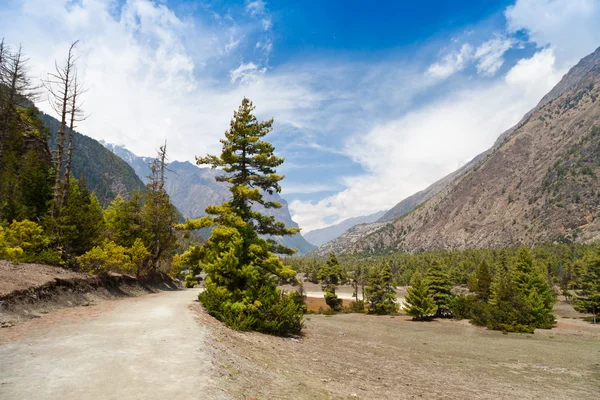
x,y
158,215
356,306
419,302
588,295
483,281
330,277
26,241
381,292
25,165
108,257
533,285
438,281
139,255
80,223
123,219
242,269
508,309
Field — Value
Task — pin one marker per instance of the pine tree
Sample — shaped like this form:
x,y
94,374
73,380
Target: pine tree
x,y
418,302
437,279
80,222
381,292
243,271
330,277
588,295
508,310
158,215
124,223
483,281
534,287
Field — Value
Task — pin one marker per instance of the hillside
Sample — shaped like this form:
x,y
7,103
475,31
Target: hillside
x,y
537,184
319,237
105,173
192,189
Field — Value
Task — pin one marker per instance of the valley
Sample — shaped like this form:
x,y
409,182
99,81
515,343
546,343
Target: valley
x,y
256,200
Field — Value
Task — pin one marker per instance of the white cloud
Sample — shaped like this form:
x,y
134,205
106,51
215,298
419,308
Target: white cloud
x,y
145,80
405,155
452,62
267,24
256,7
490,55
570,27
305,188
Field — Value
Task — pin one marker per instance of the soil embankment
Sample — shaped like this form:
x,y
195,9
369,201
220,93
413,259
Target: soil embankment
x,y
29,291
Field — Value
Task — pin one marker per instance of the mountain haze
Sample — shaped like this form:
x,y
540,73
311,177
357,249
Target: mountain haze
x,y
192,189
321,236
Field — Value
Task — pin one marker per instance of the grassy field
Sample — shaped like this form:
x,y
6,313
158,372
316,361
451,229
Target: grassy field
x,y
361,356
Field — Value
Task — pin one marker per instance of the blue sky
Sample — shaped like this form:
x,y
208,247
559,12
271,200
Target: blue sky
x,y
372,101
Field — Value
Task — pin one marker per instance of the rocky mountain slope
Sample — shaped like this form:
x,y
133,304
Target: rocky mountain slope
x,y
105,173
319,237
538,183
192,189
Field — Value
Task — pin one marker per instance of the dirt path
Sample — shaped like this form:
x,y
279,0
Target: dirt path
x,y
148,347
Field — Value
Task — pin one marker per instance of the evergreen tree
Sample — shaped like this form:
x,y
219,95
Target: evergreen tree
x,y
330,277
588,295
437,279
508,310
80,221
418,302
483,281
381,292
124,223
535,289
158,215
243,271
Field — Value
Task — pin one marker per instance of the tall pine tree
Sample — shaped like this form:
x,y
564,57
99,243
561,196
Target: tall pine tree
x,y
242,268
440,288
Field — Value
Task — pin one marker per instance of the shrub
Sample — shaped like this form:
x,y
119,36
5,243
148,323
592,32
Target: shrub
x,y
333,301
356,306
461,306
108,257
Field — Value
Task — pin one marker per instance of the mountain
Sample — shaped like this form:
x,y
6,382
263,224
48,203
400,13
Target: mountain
x,y
192,189
319,237
538,183
105,173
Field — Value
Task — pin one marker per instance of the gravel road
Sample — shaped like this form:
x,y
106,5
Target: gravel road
x,y
148,347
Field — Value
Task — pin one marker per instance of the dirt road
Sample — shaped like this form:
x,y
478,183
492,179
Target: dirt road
x,y
147,347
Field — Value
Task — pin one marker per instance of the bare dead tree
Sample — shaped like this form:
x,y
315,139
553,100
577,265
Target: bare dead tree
x,y
76,115
60,88
17,88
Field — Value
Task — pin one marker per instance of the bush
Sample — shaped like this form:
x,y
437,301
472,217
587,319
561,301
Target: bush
x,y
190,281
275,312
356,306
25,241
108,257
333,301
462,305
